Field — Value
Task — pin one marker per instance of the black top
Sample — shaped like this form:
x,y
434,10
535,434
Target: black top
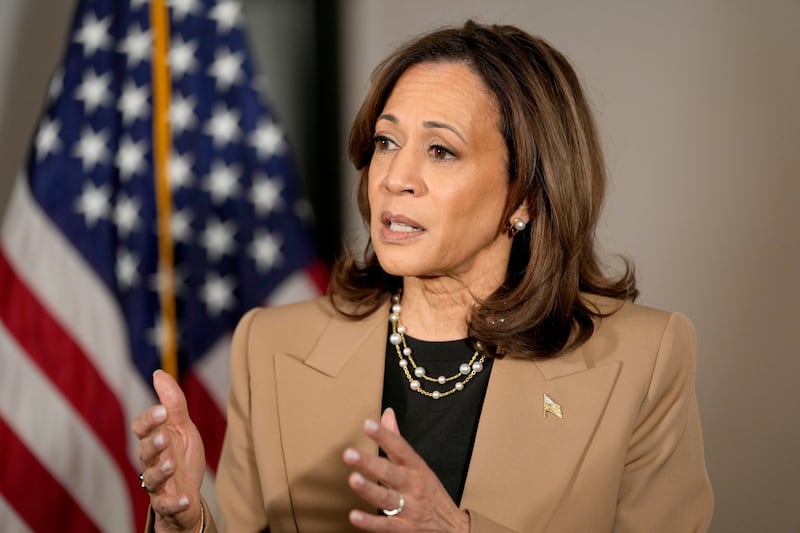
x,y
441,431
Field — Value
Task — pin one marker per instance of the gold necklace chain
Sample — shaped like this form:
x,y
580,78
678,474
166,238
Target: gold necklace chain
x,y
466,371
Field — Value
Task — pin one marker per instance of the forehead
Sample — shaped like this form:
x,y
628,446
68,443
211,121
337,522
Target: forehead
x,y
452,88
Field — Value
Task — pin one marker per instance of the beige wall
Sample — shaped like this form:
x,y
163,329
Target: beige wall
x,y
699,110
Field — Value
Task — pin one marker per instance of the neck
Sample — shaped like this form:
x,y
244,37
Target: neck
x,y
438,309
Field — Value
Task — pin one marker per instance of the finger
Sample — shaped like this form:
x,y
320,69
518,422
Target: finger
x,y
378,496
374,467
155,477
169,506
147,422
370,522
397,449
171,397
149,448
389,420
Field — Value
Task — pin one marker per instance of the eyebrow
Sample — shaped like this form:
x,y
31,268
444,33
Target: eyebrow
x,y
426,124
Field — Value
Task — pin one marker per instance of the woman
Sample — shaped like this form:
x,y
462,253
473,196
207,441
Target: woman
x,y
519,390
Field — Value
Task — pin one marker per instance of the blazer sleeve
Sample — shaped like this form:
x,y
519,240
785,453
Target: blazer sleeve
x,y
665,485
238,485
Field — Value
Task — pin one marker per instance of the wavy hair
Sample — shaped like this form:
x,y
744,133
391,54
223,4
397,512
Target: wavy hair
x,y
555,162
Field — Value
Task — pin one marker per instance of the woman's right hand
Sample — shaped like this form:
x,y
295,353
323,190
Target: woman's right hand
x,y
171,458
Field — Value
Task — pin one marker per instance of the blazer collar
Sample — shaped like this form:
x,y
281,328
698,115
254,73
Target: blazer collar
x,y
524,449
343,340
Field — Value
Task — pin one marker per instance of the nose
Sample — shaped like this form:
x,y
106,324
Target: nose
x,y
403,173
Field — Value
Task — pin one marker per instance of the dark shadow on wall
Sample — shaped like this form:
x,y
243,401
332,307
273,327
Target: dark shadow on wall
x,y
295,44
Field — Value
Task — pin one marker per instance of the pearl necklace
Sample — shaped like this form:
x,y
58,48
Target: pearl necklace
x,y
466,371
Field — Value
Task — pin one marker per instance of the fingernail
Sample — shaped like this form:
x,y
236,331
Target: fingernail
x,y
370,425
166,466
352,455
158,440
156,371
358,479
159,413
356,516
183,502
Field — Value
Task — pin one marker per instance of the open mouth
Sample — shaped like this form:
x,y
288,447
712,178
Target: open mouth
x,y
400,224
401,227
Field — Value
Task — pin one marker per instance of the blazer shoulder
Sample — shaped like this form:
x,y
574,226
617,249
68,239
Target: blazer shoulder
x,y
634,331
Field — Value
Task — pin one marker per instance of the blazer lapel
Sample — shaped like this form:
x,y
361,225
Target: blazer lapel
x,y
523,451
322,403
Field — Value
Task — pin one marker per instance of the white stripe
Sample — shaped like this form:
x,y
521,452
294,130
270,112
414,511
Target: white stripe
x,y
75,297
60,439
213,371
299,286
10,522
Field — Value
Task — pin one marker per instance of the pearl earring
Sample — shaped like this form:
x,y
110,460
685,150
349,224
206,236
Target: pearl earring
x,y
516,226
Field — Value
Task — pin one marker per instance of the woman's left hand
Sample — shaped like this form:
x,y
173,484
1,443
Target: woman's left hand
x,y
400,482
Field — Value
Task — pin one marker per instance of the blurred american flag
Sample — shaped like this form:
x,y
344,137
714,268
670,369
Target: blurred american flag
x,y
93,297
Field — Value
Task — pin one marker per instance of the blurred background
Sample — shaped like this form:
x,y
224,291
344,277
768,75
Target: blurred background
x,y
697,103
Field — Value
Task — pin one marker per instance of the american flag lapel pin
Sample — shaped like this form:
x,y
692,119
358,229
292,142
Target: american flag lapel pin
x,y
552,407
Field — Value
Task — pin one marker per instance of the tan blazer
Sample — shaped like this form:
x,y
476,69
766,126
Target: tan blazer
x,y
627,456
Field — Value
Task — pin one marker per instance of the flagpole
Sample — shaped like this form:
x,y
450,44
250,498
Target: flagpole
x,y
161,152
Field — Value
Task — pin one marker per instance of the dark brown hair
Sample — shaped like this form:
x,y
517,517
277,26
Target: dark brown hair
x,y
555,162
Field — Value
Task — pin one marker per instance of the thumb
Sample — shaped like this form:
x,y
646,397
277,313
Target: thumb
x,y
389,420
171,397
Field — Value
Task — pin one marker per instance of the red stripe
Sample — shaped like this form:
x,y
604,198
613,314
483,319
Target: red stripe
x,y
51,347
320,275
36,496
206,415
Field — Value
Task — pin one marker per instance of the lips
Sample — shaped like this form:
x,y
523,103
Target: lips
x,y
399,226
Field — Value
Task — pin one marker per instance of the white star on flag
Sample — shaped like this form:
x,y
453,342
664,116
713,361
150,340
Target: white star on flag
x,y
217,293
218,239
180,225
133,102
267,139
180,171
126,215
127,269
47,140
137,46
226,13
93,34
223,127
223,181
227,69
93,203
93,92
181,113
91,148
266,250
267,194
182,8
130,157
182,58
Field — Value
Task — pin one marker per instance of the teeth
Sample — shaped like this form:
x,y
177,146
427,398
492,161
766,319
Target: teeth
x,y
398,226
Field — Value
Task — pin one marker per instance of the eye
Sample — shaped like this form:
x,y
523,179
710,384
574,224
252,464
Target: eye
x,y
383,143
440,153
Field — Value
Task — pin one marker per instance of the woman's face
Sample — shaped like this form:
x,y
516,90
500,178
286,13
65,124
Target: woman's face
x,y
438,180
